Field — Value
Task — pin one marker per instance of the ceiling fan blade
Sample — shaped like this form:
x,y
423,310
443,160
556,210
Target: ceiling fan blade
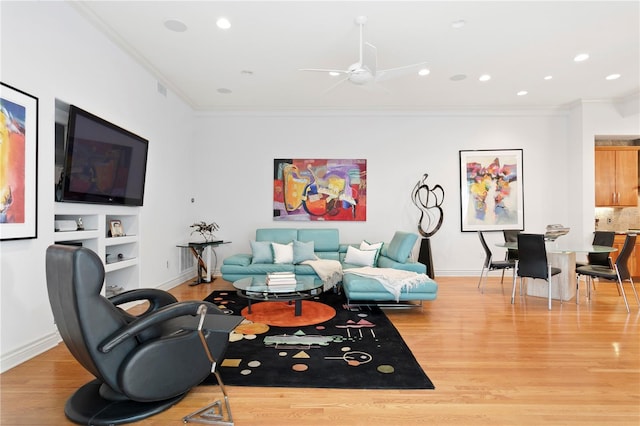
x,y
335,85
324,70
370,58
399,71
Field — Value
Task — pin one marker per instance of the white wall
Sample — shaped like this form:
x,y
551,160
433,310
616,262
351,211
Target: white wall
x,y
399,149
225,161
50,52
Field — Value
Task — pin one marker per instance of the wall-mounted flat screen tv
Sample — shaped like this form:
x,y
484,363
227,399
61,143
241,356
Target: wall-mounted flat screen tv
x,y
103,164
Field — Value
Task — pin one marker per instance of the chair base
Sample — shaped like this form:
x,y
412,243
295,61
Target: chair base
x,y
216,413
87,407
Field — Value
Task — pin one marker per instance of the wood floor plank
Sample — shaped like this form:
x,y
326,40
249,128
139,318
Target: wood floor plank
x,y
493,363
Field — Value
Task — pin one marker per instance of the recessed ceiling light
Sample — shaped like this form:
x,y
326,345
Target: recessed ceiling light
x,y
175,25
224,91
612,77
424,71
458,24
581,57
457,77
223,23
548,77
522,93
334,73
485,77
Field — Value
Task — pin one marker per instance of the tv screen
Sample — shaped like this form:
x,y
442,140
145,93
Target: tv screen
x,y
104,163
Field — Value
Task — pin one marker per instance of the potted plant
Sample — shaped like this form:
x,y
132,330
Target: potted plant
x,y
206,230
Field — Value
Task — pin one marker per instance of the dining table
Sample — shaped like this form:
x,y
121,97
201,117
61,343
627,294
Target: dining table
x,y
560,255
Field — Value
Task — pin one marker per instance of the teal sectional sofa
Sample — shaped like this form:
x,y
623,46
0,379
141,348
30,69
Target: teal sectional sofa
x,y
309,243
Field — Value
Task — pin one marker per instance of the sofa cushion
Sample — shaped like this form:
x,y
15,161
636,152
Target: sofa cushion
x,y
359,257
364,288
303,251
261,252
277,235
401,246
282,253
323,239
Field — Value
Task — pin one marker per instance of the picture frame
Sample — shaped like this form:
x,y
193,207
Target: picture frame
x,y
115,228
19,159
319,189
491,190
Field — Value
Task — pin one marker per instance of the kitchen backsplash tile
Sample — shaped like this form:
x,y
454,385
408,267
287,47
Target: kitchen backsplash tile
x,y
621,219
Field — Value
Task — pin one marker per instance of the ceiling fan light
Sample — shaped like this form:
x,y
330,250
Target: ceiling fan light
x,y
424,71
334,73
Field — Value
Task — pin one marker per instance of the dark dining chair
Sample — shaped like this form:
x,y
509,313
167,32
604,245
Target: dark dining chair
x,y
510,236
619,272
532,263
600,238
490,264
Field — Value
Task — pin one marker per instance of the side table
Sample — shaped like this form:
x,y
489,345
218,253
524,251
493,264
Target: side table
x,y
197,248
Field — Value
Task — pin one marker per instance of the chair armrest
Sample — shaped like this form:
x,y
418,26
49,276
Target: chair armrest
x,y
156,298
162,315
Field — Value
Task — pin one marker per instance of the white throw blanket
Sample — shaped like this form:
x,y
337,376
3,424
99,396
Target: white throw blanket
x,y
329,271
393,280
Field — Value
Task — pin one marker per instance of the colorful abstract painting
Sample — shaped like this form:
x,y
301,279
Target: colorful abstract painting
x,y
18,163
491,190
320,189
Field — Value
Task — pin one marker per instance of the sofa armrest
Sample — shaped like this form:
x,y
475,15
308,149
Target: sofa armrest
x,y
241,259
386,262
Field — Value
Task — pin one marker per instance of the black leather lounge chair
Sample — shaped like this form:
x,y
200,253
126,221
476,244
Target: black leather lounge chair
x,y
142,364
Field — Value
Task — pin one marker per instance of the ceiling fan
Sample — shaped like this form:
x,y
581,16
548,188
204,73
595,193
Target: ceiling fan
x,y
365,72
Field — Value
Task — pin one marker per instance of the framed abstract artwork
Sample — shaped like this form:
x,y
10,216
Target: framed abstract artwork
x,y
319,189
491,190
18,164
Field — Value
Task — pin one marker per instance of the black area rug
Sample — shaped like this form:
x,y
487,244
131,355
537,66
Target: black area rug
x,y
357,349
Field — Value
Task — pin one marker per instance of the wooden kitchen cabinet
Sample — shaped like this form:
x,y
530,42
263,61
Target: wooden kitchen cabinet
x,y
616,172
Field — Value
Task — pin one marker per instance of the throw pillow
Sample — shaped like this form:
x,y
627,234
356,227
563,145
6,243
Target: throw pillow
x,y
282,253
261,252
366,245
303,251
359,257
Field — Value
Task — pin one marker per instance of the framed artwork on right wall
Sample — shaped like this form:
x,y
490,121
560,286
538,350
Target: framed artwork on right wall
x,y
491,190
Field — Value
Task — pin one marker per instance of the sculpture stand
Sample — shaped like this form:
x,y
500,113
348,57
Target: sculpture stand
x,y
424,256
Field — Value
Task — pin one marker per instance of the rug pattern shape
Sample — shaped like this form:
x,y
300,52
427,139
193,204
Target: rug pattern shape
x,y
359,348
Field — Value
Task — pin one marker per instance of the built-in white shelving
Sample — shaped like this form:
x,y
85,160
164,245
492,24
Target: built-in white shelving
x,y
120,255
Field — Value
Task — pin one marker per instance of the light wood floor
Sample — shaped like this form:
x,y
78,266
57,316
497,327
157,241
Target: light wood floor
x,y
492,363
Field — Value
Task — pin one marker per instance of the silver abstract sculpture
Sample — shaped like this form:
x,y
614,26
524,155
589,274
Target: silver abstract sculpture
x,y
429,201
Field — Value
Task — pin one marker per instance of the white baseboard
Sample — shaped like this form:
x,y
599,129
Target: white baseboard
x,y
33,349
25,353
